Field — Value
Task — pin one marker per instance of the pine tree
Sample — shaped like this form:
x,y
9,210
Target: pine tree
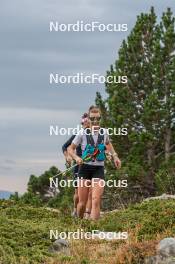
x,y
146,104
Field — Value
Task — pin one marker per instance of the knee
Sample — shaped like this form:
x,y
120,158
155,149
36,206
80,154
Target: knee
x,y
75,196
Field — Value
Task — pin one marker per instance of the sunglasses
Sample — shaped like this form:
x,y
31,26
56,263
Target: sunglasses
x,y
93,118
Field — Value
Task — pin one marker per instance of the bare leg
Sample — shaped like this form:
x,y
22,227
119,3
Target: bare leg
x,y
83,190
97,192
88,204
75,200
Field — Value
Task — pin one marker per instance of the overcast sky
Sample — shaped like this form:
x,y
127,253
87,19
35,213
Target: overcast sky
x,y
29,52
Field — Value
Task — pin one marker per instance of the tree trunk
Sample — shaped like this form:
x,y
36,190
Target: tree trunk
x,y
167,143
150,174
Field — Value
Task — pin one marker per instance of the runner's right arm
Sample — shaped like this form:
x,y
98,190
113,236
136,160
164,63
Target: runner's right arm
x,y
65,149
71,150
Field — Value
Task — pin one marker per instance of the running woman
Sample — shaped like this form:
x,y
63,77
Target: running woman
x,y
92,173
68,158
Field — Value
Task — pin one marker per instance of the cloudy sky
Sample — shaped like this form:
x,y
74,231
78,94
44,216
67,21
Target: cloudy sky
x,y
29,52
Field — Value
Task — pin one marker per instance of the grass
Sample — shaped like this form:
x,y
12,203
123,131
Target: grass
x,y
24,234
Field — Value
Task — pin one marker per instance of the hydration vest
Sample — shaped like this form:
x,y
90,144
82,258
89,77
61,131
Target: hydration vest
x,y
92,148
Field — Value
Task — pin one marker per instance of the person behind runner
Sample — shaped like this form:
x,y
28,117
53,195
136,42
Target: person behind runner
x,y
92,140
68,158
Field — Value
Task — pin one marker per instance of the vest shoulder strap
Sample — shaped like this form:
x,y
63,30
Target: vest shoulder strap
x,y
100,139
90,139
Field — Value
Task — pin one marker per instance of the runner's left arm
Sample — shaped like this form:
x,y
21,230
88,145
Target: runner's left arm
x,y
114,154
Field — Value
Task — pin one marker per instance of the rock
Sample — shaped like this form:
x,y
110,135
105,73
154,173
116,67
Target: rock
x,y
159,260
62,242
52,210
166,247
165,252
151,260
60,246
161,197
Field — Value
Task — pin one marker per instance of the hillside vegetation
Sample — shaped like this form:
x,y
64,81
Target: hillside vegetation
x,y
24,234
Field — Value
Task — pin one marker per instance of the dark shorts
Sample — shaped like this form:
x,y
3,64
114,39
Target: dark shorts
x,y
90,171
